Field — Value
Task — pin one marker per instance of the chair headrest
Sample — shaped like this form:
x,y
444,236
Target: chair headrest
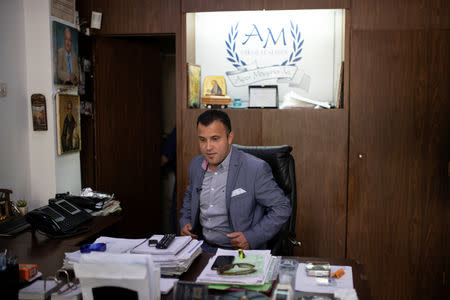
x,y
278,157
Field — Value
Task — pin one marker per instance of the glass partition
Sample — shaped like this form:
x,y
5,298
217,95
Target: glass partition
x,y
301,52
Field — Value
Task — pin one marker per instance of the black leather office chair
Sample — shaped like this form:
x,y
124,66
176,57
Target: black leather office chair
x,y
283,168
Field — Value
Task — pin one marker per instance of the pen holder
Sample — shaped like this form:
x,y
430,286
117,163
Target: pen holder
x,y
9,282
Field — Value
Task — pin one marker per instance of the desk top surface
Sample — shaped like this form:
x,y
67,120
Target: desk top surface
x,y
360,282
48,253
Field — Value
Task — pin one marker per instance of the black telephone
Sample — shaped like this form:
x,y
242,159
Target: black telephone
x,y
58,219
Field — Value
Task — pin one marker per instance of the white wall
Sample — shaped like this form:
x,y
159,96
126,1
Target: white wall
x,y
14,109
29,164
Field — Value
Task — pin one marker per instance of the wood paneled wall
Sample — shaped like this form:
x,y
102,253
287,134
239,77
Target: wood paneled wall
x,y
230,5
127,102
399,147
133,17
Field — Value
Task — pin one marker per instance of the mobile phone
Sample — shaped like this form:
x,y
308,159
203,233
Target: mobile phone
x,y
222,260
152,242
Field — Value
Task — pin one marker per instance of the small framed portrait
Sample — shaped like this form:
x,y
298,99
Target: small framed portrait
x,y
68,123
263,96
86,108
66,69
214,86
39,112
194,85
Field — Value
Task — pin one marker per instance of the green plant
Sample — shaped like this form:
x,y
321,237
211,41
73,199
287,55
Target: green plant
x,y
21,203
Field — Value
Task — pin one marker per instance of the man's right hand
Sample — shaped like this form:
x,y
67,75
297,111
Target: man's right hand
x,y
186,230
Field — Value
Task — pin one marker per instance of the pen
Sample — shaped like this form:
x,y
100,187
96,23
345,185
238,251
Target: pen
x,y
241,253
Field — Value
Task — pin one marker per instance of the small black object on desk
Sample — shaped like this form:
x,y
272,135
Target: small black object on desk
x,y
165,241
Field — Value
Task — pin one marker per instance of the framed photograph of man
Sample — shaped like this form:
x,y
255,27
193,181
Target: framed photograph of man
x,y
39,112
68,123
66,70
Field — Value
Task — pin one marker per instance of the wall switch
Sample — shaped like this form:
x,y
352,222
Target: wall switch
x,y
2,89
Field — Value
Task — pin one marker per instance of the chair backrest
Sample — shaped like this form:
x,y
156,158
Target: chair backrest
x,y
283,168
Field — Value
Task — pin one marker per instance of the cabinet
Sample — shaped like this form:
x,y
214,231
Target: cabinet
x,y
399,145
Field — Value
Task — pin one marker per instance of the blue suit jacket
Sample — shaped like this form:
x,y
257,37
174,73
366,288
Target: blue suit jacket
x,y
259,212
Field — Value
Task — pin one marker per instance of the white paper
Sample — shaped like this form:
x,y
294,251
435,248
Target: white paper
x,y
292,99
68,294
171,264
96,20
177,244
166,284
36,290
306,283
117,245
211,276
183,255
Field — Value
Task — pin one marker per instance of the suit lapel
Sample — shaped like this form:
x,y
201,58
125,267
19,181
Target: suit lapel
x,y
195,206
233,171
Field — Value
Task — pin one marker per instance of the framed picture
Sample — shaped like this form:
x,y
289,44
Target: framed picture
x,y
214,85
66,69
68,123
86,108
194,84
263,96
39,112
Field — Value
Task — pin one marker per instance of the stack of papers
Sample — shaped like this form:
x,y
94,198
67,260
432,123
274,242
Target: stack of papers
x,y
261,259
292,100
175,260
311,284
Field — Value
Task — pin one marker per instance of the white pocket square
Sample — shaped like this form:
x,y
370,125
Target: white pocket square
x,y
237,192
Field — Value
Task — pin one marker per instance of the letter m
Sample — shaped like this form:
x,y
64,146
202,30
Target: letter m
x,y
273,40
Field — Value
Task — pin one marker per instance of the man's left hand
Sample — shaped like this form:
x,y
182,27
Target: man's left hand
x,y
238,240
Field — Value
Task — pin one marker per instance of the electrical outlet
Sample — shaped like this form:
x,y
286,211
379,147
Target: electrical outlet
x,y
2,89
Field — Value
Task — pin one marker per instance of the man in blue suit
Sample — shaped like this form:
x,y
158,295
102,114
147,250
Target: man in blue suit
x,y
232,200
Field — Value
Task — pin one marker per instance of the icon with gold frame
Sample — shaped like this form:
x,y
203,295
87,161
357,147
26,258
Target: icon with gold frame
x,y
68,123
215,92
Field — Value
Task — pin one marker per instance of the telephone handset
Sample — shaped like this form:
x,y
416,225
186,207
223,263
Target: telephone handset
x,y
58,219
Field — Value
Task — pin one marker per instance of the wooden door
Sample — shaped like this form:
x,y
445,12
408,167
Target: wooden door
x,y
127,89
398,159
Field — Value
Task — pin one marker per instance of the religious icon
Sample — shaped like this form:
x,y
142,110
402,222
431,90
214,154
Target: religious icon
x,y
68,123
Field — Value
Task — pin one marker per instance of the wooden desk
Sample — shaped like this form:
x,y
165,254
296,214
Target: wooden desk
x,y
48,253
360,282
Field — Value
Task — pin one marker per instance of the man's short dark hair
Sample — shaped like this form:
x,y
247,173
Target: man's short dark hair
x,y
212,115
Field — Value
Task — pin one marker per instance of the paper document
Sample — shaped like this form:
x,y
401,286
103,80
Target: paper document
x,y
36,290
306,283
291,99
173,261
261,259
117,245
184,254
166,284
177,244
